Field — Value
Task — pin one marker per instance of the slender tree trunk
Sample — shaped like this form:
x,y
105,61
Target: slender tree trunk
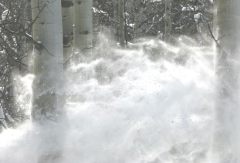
x,y
115,18
168,21
227,27
83,22
121,20
67,14
136,19
2,119
48,59
137,29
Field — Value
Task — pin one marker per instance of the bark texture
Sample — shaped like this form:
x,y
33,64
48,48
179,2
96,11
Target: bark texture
x,y
67,16
48,59
83,22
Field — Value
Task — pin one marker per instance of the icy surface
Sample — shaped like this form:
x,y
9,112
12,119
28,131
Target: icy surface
x,y
134,106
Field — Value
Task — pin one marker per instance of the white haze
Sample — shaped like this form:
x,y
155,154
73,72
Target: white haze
x,y
133,106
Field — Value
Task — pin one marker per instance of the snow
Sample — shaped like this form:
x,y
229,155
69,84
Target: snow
x,y
5,14
2,52
97,11
188,9
28,35
197,17
212,1
127,106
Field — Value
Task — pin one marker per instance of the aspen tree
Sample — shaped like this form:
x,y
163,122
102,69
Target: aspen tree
x,y
121,26
67,16
227,30
115,18
48,59
168,21
137,30
83,24
140,18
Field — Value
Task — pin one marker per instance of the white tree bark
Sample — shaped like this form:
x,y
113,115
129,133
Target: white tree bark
x,y
67,14
83,22
227,24
48,59
168,21
121,26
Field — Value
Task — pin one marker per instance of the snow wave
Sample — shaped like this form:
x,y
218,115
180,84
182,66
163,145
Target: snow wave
x,y
152,104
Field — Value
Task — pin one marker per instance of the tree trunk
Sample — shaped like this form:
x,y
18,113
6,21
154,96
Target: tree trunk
x,y
168,21
67,15
83,22
227,27
2,119
139,17
137,20
48,59
121,20
115,18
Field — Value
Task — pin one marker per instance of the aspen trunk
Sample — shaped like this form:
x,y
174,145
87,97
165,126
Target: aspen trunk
x,y
83,22
139,17
48,59
168,21
115,18
137,29
67,16
227,24
121,26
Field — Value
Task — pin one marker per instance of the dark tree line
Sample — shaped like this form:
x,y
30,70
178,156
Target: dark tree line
x,y
189,17
15,38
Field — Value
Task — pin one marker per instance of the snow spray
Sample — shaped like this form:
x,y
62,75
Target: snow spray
x,y
152,103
